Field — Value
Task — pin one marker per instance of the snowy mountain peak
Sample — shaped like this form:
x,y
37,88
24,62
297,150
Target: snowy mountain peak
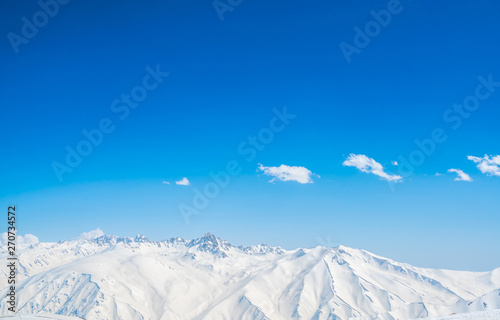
x,y
212,244
141,238
262,249
209,238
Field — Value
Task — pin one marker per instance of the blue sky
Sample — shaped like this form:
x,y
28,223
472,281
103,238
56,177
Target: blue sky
x,y
224,80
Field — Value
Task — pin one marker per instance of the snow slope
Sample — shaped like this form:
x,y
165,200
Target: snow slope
x,y
482,315
39,317
208,278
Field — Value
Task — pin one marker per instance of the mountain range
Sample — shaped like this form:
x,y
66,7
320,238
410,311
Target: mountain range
x,y
113,277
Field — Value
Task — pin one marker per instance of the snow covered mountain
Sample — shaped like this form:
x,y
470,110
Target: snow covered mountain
x,y
208,278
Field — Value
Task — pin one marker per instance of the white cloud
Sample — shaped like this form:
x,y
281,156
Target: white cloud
x,y
462,176
183,182
369,165
287,173
394,163
166,182
26,240
488,165
438,174
91,234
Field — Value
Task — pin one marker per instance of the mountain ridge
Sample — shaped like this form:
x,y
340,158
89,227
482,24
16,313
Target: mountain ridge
x,y
113,277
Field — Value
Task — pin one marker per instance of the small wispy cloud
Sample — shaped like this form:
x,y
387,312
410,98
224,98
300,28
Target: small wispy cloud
x,y
369,165
288,173
26,240
91,234
489,165
166,182
394,163
461,176
183,182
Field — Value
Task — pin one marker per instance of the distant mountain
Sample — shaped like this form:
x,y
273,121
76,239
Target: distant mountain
x,y
209,278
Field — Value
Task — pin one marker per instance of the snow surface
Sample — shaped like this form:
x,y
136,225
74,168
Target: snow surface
x,y
39,317
482,315
208,278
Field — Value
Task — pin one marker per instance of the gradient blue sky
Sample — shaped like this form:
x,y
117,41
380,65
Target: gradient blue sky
x,y
225,78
